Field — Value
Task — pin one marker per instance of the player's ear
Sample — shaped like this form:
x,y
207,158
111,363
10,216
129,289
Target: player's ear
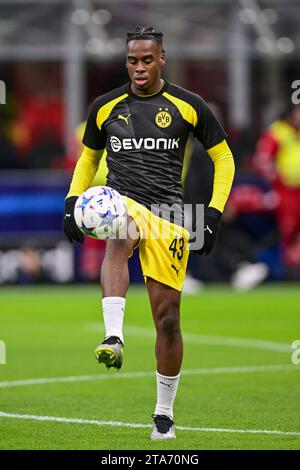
x,y
162,58
126,58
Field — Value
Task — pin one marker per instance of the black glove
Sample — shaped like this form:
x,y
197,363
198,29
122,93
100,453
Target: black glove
x,y
212,218
71,230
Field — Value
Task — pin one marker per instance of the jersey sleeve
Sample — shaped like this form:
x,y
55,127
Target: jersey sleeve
x,y
85,171
94,138
223,176
208,130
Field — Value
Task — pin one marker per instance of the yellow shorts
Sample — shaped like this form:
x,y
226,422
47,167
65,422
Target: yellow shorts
x,y
163,246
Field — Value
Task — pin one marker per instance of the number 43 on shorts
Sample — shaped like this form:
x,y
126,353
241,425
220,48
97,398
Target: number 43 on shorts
x,y
176,247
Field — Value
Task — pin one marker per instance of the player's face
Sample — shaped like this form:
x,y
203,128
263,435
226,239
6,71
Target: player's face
x,y
144,61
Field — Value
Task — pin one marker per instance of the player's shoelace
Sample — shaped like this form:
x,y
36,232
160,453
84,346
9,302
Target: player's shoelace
x,y
162,423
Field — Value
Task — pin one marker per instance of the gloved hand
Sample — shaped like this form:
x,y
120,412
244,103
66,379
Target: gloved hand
x,y
212,218
71,230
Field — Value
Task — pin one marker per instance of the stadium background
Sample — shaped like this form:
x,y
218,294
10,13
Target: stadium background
x,y
242,56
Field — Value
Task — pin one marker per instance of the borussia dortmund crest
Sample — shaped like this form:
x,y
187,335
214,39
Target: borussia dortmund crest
x,y
163,118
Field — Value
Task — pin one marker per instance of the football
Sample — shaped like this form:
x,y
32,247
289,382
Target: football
x,y
100,212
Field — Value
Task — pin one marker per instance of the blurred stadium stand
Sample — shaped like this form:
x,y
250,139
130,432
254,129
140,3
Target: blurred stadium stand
x,y
57,56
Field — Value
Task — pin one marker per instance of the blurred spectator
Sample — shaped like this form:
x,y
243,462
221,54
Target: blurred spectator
x,y
36,133
30,268
277,159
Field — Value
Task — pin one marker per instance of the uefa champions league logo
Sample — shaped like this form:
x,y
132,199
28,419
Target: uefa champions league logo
x,y
2,352
2,92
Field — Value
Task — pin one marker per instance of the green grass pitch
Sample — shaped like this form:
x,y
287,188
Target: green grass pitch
x,y
237,371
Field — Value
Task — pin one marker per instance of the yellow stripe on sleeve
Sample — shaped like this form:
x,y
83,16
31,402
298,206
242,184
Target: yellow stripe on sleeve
x,y
85,170
186,110
105,110
224,172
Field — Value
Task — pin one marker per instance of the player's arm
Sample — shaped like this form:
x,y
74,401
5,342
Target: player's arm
x,y
223,177
211,134
224,172
84,173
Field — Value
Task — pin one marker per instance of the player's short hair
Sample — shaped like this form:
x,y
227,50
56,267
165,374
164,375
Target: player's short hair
x,y
145,32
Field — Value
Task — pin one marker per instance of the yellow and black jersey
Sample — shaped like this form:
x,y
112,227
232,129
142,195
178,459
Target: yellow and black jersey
x,y
145,139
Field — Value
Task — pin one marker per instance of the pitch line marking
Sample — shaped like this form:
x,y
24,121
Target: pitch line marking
x,y
136,375
203,339
139,425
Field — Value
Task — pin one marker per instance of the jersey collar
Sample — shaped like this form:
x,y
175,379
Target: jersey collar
x,y
146,97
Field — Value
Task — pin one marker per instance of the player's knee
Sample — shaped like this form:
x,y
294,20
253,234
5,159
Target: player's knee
x,y
168,321
116,248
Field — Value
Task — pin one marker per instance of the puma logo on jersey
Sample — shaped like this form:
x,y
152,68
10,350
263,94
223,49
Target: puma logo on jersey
x,y
124,118
174,267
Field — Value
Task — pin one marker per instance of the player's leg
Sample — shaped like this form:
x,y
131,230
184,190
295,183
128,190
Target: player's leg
x,y
114,270
165,305
114,283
